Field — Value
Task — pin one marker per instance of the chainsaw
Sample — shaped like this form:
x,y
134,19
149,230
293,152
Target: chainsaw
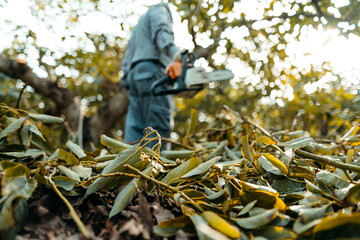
x,y
191,80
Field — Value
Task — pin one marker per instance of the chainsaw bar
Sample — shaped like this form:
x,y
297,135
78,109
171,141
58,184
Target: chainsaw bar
x,y
220,75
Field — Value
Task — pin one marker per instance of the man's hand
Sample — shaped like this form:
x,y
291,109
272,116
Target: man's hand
x,y
174,69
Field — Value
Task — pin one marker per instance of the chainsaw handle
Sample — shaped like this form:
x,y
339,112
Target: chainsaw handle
x,y
158,88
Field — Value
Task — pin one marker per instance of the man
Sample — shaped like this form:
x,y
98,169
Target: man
x,y
150,53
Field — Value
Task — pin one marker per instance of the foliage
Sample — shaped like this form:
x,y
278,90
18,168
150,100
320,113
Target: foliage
x,y
87,63
230,180
254,37
257,37
282,164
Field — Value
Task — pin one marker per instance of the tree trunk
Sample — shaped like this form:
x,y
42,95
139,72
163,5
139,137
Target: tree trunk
x,y
67,103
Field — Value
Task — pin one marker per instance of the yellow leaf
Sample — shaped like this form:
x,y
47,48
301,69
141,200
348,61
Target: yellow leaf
x,y
265,140
349,155
332,224
354,194
266,197
277,163
220,224
193,122
245,148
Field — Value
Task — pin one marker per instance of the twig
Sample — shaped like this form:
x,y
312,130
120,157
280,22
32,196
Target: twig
x,y
219,129
277,148
164,185
176,143
20,94
328,160
109,175
261,129
73,214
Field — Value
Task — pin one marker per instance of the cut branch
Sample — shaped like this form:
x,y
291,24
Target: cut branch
x,y
328,160
72,211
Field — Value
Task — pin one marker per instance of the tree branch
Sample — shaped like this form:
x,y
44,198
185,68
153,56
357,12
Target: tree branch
x,y
328,160
64,99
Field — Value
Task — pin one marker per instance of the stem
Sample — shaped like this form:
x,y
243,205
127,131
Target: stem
x,y
261,129
109,175
328,160
73,214
164,185
348,176
176,143
277,148
20,94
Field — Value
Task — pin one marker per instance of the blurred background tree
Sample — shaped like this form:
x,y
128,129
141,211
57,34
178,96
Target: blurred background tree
x,y
75,47
278,82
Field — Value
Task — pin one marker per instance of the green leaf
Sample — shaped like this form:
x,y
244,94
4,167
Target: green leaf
x,y
83,172
104,158
218,150
6,214
257,221
20,186
12,127
230,154
30,153
308,214
26,135
202,168
35,130
76,149
315,189
247,208
127,194
182,169
46,118
174,154
296,143
71,174
42,144
116,146
218,197
302,227
287,186
64,182
129,156
331,179
268,166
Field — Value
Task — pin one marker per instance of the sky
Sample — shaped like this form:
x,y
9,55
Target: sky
x,y
318,46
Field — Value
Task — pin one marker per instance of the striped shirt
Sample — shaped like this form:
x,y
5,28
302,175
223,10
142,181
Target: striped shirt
x,y
152,38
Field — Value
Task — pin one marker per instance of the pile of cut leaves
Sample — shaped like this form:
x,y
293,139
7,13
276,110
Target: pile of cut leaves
x,y
231,180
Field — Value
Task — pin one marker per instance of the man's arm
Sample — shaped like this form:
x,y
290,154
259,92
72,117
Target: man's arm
x,y
161,30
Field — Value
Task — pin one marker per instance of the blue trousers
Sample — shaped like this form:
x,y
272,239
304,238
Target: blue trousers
x,y
145,110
